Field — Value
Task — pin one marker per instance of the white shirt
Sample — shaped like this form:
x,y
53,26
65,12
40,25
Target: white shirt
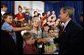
x,y
3,12
65,24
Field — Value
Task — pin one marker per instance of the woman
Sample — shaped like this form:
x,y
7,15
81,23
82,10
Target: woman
x,y
20,15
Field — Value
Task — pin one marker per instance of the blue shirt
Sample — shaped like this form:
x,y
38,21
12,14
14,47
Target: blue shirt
x,y
9,28
27,17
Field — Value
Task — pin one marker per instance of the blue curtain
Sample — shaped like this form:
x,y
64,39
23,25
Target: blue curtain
x,y
78,9
57,7
10,6
48,6
77,5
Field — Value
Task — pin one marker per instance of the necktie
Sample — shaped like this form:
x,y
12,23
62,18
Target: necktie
x,y
63,28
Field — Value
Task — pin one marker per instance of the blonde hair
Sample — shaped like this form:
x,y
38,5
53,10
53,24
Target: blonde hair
x,y
34,18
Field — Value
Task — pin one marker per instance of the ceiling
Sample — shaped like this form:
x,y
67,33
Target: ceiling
x,y
53,1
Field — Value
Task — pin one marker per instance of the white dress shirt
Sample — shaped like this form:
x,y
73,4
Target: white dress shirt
x,y
65,24
3,12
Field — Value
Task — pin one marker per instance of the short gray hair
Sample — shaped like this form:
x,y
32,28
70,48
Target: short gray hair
x,y
70,10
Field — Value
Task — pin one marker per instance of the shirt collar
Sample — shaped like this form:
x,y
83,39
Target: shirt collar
x,y
65,24
3,12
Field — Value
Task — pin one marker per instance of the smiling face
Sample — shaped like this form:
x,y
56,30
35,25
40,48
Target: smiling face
x,y
46,28
51,33
35,22
8,19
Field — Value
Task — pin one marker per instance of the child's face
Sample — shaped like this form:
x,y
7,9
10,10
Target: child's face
x,y
51,33
20,9
4,9
35,23
46,28
9,19
31,41
36,13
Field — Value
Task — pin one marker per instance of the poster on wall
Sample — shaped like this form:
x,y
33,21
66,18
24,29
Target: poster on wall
x,y
30,5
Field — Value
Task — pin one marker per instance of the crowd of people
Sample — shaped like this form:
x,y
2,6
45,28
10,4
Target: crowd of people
x,y
43,28
38,34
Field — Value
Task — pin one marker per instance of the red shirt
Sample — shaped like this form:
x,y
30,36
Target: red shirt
x,y
42,19
19,16
13,24
29,49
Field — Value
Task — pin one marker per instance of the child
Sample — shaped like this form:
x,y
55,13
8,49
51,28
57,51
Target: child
x,y
29,47
45,31
53,14
28,16
50,46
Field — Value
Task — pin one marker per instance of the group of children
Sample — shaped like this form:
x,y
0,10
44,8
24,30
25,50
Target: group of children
x,y
37,37
38,43
29,43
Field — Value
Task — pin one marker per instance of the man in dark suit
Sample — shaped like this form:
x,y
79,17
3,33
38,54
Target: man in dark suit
x,y
71,39
7,45
9,36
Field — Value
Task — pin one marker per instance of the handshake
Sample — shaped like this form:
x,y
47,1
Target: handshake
x,y
28,27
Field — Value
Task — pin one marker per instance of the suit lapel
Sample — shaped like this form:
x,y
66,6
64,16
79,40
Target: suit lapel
x,y
68,26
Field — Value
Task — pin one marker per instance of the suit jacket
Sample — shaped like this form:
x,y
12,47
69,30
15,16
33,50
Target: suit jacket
x,y
7,45
71,39
19,42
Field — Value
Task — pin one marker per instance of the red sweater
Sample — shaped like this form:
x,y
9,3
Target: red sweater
x,y
19,16
30,49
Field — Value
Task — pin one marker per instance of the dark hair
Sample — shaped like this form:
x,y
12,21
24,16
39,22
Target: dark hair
x,y
3,5
35,12
45,24
27,35
39,14
51,29
43,13
19,7
6,15
27,12
52,17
